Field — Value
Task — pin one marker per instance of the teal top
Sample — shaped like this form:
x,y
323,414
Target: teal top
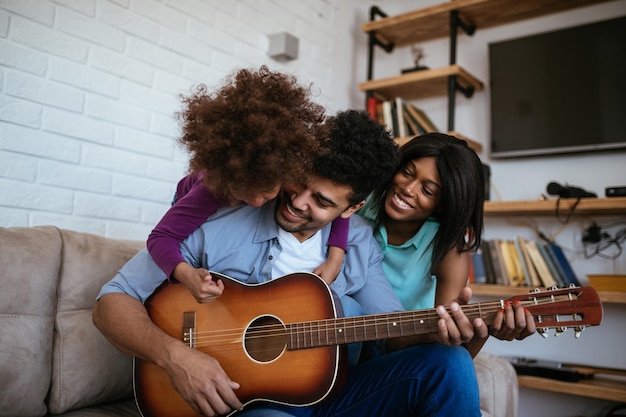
x,y
408,266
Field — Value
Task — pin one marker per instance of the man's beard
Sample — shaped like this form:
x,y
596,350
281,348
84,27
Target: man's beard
x,y
284,203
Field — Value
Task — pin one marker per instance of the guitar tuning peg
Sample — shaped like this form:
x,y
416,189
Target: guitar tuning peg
x,y
559,330
578,330
543,331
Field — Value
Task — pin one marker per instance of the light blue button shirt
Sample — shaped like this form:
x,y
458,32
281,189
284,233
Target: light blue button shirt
x,y
242,243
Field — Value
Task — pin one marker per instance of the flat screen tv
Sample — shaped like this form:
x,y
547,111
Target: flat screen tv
x,y
559,92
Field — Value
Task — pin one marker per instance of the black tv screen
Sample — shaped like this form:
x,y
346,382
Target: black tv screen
x,y
559,92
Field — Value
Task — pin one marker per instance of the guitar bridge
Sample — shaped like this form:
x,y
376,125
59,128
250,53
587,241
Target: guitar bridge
x,y
189,328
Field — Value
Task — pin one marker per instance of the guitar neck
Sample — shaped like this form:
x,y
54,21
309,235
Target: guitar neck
x,y
339,331
557,308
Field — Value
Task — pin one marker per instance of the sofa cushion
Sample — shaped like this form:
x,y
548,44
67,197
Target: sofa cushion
x,y
86,369
126,408
29,266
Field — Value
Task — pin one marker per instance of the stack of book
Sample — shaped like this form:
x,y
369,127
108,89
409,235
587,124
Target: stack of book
x,y
521,262
400,117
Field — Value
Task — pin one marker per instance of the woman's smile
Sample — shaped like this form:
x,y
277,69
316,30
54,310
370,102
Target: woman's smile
x,y
401,202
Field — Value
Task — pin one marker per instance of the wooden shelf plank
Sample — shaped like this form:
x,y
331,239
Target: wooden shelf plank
x,y
420,84
596,387
506,291
433,22
617,297
586,206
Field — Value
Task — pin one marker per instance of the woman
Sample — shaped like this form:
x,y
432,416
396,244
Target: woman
x,y
428,218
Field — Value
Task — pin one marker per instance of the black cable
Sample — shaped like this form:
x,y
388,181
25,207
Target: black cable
x,y
606,242
571,212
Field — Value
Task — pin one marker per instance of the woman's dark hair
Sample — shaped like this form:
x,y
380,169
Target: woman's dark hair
x,y
258,129
460,210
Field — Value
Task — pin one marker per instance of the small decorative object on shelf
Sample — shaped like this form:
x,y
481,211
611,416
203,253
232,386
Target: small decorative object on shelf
x,y
418,55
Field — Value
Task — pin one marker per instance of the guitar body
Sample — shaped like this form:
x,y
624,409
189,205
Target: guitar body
x,y
233,330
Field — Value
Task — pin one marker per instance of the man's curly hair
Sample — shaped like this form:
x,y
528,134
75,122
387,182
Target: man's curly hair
x,y
258,130
361,154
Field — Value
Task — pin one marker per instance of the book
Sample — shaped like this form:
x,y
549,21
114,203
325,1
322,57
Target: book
x,y
525,281
394,119
422,118
478,267
379,113
500,273
517,274
402,131
388,116
563,264
487,262
543,272
413,122
607,282
372,107
560,281
414,128
530,273
509,264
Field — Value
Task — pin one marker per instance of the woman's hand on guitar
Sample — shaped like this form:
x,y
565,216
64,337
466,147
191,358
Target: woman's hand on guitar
x,y
455,328
202,383
199,282
512,322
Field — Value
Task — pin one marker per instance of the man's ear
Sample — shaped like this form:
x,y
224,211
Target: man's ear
x,y
350,210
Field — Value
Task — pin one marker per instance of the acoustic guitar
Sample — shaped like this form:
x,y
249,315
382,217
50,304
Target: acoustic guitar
x,y
281,340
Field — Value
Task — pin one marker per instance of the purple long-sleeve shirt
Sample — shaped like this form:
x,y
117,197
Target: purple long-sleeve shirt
x,y
194,204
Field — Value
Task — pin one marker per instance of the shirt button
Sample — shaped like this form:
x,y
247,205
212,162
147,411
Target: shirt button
x,y
270,257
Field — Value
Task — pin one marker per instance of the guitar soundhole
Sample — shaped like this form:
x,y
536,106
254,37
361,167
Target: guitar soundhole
x,y
265,339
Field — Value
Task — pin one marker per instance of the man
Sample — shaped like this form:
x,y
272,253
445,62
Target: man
x,y
258,244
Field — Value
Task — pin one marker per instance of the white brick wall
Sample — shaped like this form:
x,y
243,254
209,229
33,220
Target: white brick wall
x,y
89,88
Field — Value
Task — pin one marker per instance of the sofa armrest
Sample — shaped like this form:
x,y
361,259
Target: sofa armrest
x,y
497,384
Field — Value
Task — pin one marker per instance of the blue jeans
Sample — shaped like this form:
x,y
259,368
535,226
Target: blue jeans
x,y
423,380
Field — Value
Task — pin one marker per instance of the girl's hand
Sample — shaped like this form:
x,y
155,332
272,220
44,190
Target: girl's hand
x,y
199,282
329,270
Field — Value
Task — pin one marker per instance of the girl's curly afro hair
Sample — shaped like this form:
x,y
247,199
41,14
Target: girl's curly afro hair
x,y
256,131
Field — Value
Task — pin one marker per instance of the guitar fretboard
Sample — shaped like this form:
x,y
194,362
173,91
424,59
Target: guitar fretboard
x,y
375,327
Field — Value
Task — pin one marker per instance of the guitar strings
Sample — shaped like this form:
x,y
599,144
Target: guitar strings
x,y
303,331
346,323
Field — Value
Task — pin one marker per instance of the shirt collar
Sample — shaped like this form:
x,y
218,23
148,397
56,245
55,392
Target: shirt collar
x,y
267,228
425,232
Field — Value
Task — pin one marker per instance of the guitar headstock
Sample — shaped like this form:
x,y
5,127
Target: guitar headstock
x,y
562,308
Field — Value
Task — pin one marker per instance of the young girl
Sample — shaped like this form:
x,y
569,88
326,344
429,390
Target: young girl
x,y
428,219
257,130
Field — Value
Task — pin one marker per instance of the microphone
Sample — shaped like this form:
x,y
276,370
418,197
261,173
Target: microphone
x,y
568,191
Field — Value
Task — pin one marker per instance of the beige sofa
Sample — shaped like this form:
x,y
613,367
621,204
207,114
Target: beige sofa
x,y
54,361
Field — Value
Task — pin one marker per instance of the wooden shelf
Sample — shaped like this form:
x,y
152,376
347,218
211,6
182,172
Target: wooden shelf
x,y
586,206
596,387
506,291
420,84
433,22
